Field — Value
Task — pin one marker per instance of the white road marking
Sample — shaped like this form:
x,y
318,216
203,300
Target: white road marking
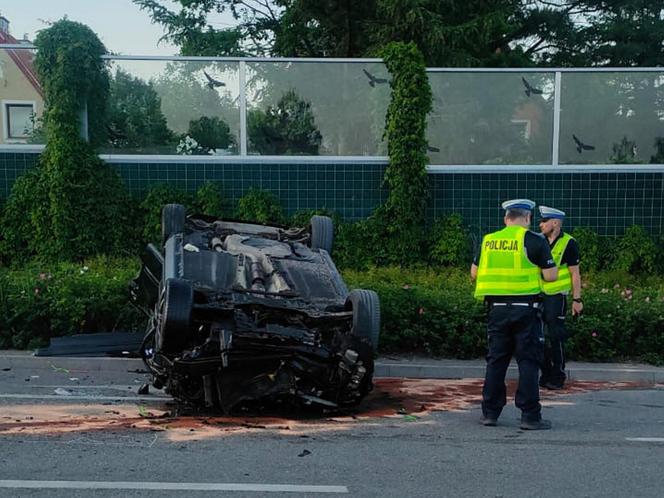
x,y
173,486
646,439
89,398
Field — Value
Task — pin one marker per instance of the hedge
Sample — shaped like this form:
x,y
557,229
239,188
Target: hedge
x,y
434,312
39,302
423,310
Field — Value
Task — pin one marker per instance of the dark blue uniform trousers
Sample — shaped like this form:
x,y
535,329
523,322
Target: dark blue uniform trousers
x,y
513,331
553,367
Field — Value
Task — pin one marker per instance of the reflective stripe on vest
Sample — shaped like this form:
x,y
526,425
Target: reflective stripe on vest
x,y
504,269
564,281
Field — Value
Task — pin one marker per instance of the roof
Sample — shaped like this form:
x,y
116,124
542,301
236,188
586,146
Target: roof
x,y
23,59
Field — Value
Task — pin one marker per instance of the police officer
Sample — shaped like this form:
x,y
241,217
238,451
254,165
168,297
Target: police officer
x,y
508,271
565,253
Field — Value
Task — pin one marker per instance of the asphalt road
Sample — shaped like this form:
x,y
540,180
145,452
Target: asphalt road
x,y
607,441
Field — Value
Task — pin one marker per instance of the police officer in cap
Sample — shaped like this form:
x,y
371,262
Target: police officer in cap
x,y
508,271
565,253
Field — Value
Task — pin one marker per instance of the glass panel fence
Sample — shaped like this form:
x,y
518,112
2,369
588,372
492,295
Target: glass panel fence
x,y
316,108
173,107
491,118
338,109
21,98
612,118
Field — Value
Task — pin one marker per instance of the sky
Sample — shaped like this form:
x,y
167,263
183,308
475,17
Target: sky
x,y
120,24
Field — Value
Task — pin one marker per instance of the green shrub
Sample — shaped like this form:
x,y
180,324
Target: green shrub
x,y
260,206
658,158
636,252
285,129
426,311
211,133
73,205
624,152
450,242
354,245
210,200
39,302
618,323
423,310
151,206
434,313
589,248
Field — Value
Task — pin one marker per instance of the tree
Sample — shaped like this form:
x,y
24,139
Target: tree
x,y
615,33
331,28
446,32
135,119
211,133
72,205
185,98
193,32
287,128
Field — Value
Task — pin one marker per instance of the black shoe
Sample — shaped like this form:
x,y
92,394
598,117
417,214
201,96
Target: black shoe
x,y
553,386
488,421
535,425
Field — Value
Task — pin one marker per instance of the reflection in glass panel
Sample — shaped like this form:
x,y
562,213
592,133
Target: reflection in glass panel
x,y
308,108
21,98
173,107
612,118
491,118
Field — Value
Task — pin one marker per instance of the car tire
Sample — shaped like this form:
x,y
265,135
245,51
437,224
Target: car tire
x,y
366,315
322,233
175,326
172,221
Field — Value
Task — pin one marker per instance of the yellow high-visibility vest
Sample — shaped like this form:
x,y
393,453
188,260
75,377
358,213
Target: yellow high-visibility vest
x,y
564,281
504,269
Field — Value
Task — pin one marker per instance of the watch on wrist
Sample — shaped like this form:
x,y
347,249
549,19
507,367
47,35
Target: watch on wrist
x,y
578,300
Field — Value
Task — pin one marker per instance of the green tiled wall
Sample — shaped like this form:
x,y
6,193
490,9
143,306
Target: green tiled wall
x,y
606,202
352,190
13,165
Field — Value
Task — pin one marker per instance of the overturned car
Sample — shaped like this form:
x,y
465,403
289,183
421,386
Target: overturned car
x,y
242,315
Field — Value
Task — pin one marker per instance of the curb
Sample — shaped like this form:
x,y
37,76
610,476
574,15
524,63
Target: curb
x,y
426,369
574,372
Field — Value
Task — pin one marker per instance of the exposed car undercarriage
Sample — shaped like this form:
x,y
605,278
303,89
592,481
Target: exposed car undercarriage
x,y
243,315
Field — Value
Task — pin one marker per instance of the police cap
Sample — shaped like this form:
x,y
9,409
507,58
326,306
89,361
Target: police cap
x,y
549,212
518,204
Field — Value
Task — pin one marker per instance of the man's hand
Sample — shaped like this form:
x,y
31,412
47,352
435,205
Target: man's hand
x,y
577,308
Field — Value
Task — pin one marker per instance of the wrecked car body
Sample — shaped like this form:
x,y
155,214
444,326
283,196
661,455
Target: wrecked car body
x,y
242,314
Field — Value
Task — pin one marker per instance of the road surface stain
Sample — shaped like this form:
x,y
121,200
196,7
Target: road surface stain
x,y
403,400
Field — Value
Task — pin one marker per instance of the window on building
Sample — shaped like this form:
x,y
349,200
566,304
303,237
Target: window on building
x,y
19,120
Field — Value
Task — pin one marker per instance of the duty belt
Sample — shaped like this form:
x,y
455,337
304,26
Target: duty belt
x,y
534,304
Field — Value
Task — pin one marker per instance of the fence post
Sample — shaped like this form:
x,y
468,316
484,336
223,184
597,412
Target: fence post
x,y
556,119
243,108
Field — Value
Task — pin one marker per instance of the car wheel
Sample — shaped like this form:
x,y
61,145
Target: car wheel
x,y
175,326
172,220
322,233
366,315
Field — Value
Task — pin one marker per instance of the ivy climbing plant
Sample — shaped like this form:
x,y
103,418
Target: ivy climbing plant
x,y
72,205
405,129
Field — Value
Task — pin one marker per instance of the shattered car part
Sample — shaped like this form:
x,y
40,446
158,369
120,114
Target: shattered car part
x,y
240,314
